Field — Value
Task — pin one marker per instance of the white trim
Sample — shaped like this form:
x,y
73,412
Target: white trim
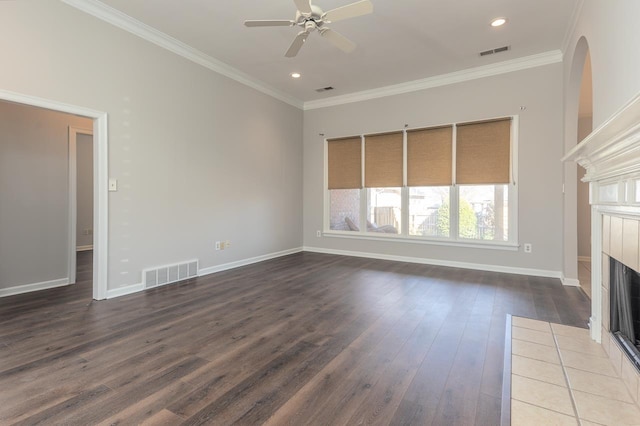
x,y
513,188
152,35
584,258
100,207
123,291
398,238
28,288
573,22
595,321
439,262
244,262
454,196
100,181
84,248
541,59
73,198
570,282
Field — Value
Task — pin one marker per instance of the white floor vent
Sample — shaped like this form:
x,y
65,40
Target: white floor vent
x,y
168,274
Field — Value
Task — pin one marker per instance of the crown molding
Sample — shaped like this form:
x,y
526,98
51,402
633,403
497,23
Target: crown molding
x,y
573,22
518,64
127,23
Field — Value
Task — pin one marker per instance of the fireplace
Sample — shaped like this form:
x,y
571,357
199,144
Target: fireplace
x,y
625,309
611,157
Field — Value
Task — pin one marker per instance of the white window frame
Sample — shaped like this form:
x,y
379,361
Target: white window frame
x,y
454,193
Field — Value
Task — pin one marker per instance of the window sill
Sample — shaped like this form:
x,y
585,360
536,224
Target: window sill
x,y
421,240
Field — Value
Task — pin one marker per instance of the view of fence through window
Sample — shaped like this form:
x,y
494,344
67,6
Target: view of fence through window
x,y
384,212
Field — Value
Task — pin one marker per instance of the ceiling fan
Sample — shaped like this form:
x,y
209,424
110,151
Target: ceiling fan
x,y
310,17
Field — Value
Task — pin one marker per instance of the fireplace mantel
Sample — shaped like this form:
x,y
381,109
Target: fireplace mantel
x,y
612,151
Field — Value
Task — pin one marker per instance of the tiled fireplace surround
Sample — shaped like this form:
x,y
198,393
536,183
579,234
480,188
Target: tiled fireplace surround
x,y
620,237
611,156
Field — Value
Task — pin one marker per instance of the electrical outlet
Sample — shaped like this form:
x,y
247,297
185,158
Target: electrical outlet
x,y
217,245
227,243
528,248
318,234
221,245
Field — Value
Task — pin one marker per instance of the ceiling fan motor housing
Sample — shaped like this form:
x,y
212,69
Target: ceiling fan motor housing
x,y
312,20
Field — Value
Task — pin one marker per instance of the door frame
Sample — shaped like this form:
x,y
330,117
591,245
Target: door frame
x,y
100,181
73,197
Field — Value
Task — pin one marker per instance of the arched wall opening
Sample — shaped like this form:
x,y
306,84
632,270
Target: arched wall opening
x,y
571,138
583,219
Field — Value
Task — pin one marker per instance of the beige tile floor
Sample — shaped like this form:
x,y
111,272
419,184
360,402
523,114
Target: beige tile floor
x,y
559,376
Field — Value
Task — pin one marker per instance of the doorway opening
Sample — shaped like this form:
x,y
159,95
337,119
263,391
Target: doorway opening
x,y
583,219
98,126
80,195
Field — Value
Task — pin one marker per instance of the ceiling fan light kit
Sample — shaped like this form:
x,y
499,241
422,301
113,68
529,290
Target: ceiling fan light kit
x,y
311,18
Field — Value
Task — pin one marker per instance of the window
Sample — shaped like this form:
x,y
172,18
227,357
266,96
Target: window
x,y
447,183
344,182
383,176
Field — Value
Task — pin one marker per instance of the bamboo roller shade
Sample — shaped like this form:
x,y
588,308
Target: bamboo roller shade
x,y
429,156
483,152
345,163
383,160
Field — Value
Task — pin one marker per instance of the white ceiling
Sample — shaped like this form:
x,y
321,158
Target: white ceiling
x,y
403,40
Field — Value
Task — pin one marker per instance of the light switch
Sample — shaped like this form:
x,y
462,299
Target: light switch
x,y
113,184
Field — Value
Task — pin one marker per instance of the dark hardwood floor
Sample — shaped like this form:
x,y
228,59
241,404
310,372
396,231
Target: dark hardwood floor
x,y
304,339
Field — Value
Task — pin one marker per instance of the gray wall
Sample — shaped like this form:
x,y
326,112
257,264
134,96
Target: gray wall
x,y
198,157
84,192
613,36
34,194
540,175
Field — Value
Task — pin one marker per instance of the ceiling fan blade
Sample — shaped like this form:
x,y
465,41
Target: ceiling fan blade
x,y
276,23
304,6
338,40
349,11
297,44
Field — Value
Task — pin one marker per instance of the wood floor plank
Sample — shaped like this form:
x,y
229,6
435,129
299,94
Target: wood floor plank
x,y
303,339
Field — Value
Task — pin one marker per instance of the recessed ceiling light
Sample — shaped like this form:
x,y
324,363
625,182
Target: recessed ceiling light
x,y
295,75
498,22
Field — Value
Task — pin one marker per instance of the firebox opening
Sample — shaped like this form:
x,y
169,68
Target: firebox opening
x,y
625,308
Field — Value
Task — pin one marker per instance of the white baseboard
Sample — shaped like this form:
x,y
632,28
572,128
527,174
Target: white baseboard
x,y
449,263
84,248
244,262
584,259
439,262
28,288
570,282
123,291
